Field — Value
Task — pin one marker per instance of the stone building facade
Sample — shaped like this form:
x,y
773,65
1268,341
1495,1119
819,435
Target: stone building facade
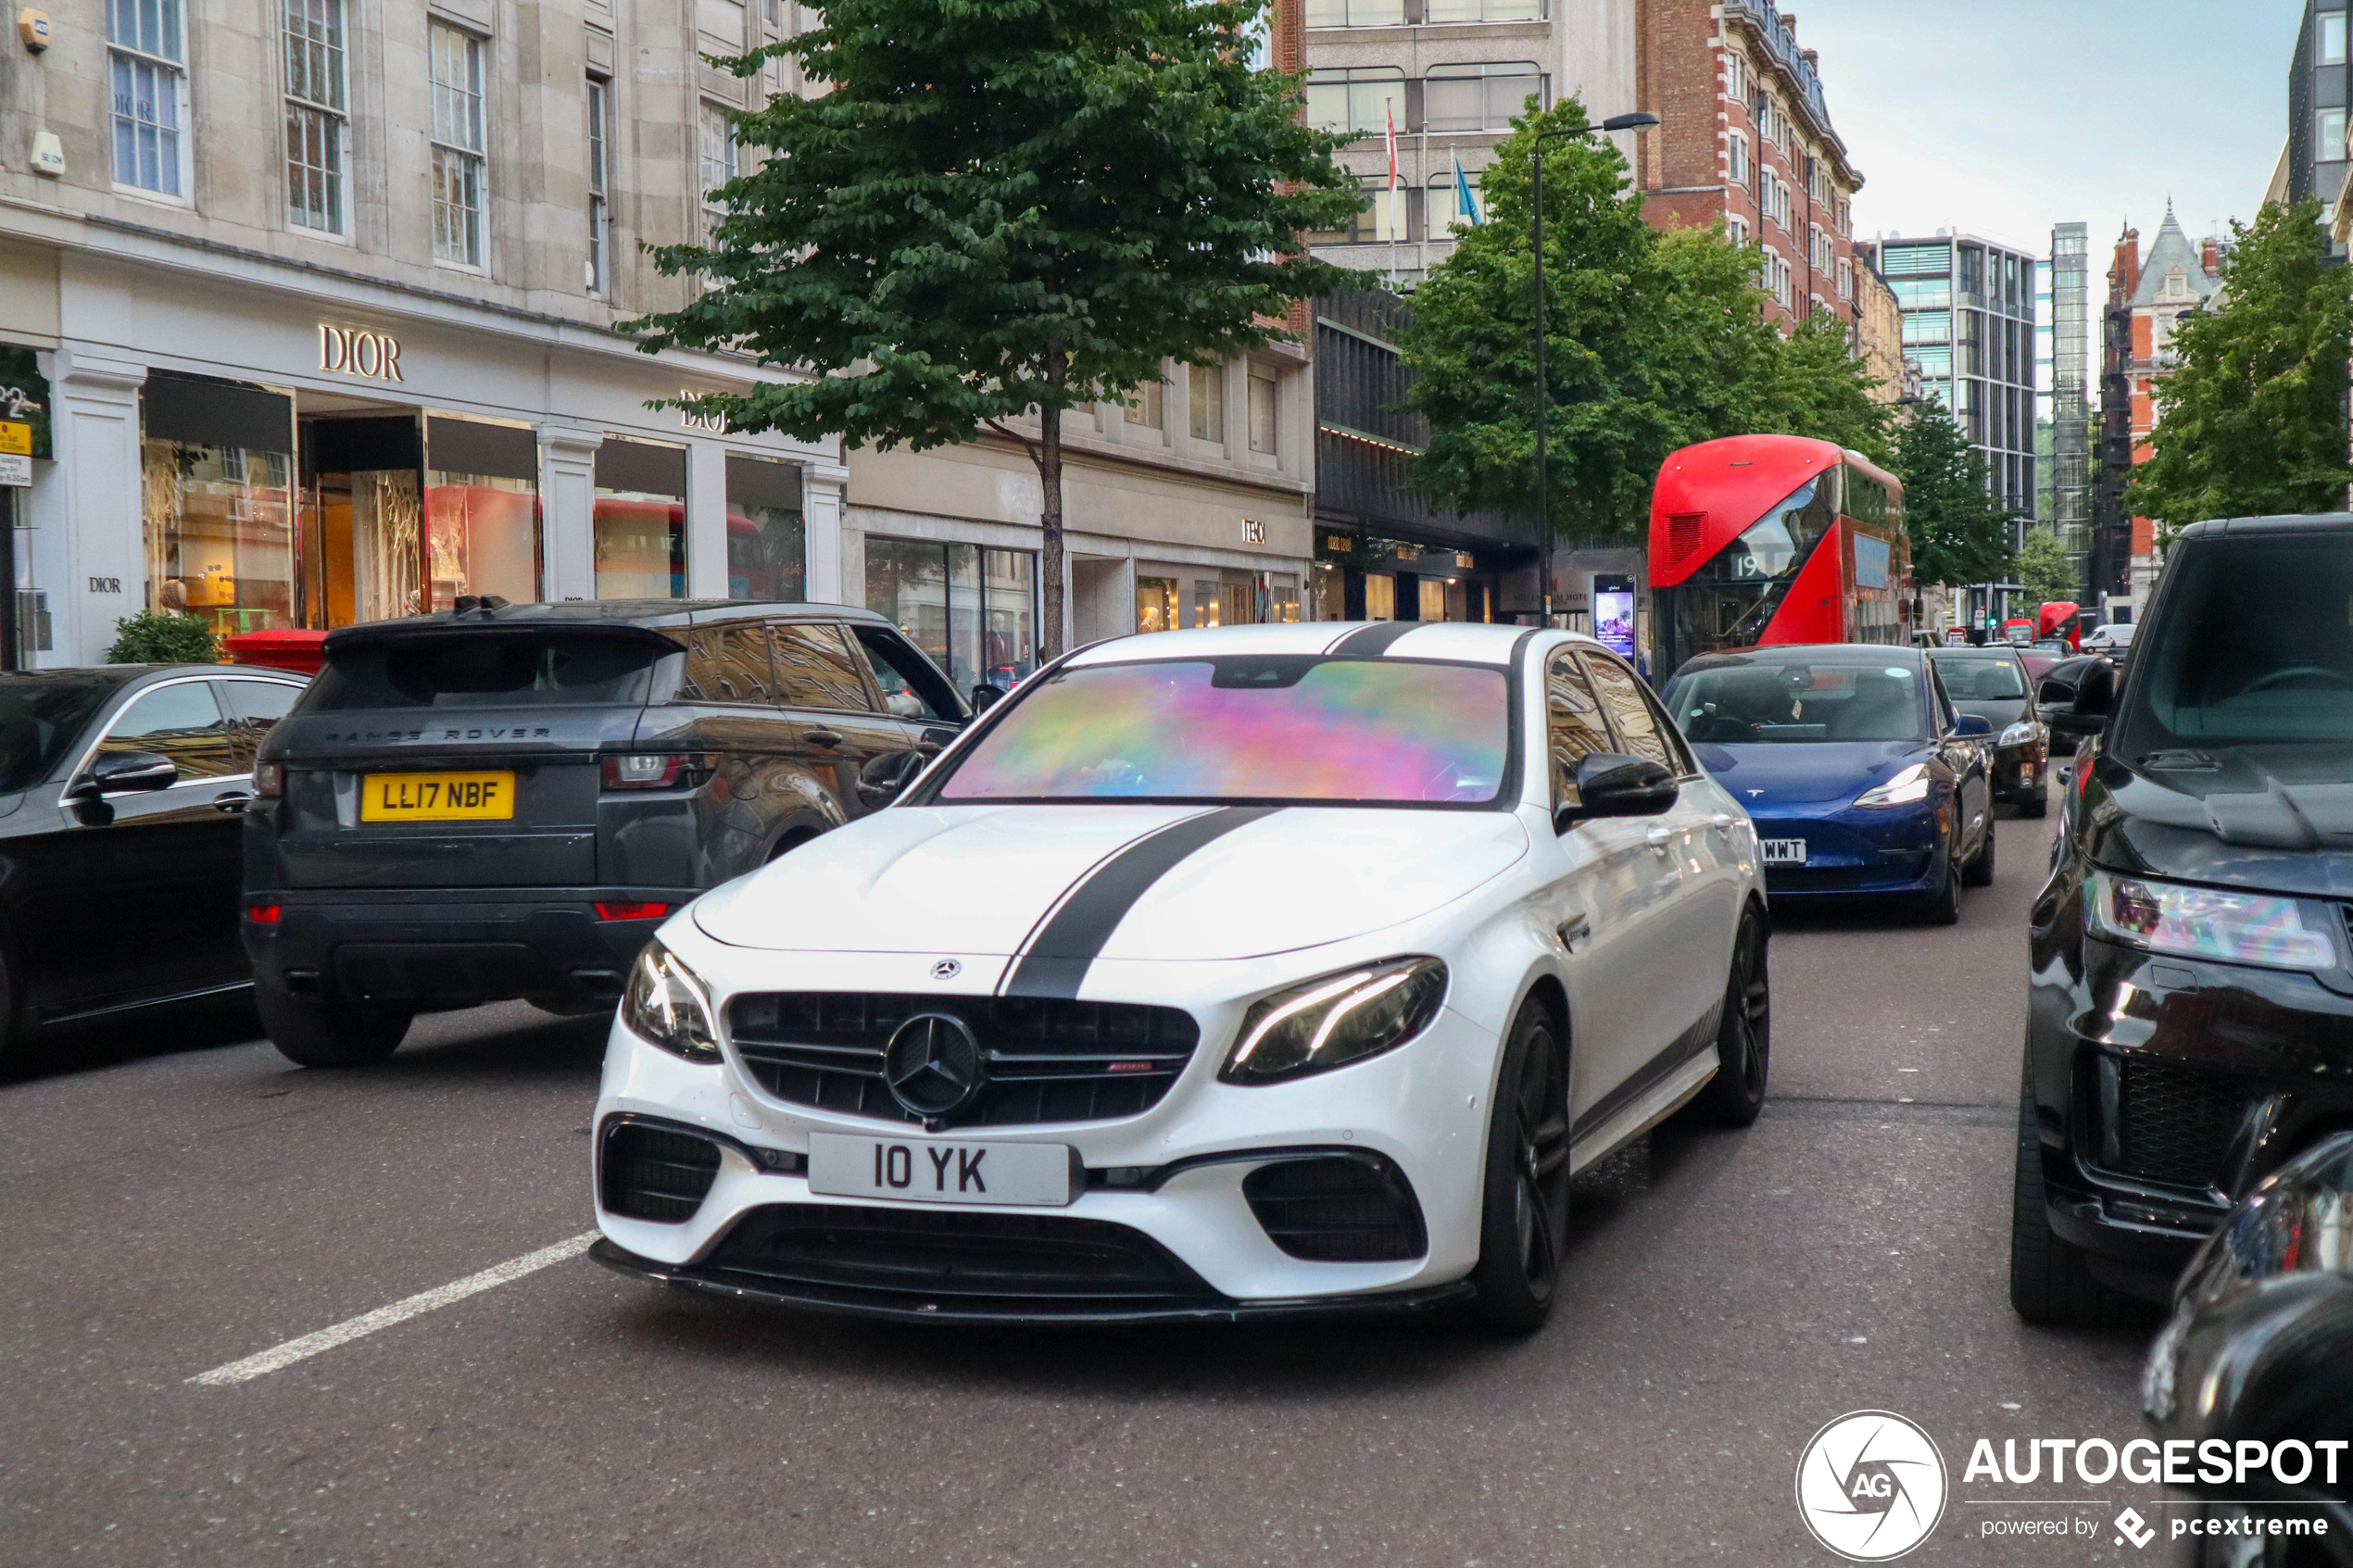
x,y
1744,136
1879,335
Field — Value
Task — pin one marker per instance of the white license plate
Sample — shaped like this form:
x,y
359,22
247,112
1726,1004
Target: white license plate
x,y
933,1170
1784,851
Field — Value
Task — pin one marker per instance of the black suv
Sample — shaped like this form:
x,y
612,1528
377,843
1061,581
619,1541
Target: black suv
x,y
2191,980
507,800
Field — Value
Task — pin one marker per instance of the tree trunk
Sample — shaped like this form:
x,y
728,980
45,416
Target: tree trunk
x,y
1049,515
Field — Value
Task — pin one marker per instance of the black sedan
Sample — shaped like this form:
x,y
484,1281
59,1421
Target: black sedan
x,y
1993,684
121,790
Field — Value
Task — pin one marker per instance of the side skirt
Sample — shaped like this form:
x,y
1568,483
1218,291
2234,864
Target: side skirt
x,y
1650,1096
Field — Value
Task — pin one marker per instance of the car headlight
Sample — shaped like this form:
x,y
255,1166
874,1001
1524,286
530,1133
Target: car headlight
x,y
2023,733
1907,788
1339,1018
2205,923
666,1003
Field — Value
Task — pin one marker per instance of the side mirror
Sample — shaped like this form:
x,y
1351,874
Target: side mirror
x,y
884,779
1972,726
124,773
985,696
1612,784
2054,694
2096,692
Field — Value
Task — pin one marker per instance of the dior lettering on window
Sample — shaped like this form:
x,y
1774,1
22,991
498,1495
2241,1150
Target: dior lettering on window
x,y
353,351
689,419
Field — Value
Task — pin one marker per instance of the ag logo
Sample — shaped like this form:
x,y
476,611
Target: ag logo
x,y
1870,1486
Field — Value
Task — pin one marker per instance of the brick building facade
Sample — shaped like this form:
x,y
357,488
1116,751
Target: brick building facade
x,y
1744,135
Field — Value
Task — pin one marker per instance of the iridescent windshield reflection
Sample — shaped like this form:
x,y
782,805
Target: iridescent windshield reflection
x,y
1385,731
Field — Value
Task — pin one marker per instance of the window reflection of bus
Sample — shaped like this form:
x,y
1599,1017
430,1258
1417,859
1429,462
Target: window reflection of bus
x,y
1763,539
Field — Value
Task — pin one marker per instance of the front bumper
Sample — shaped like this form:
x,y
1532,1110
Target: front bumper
x,y
2167,1087
2017,772
1167,1183
431,949
1855,852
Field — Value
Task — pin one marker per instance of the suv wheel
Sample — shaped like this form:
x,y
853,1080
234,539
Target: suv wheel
x,y
329,1032
2050,1281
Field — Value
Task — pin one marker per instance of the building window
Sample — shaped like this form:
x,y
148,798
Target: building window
x,y
638,527
216,502
1442,204
1736,230
1155,604
2332,38
1737,157
1263,412
1143,409
1386,217
973,610
767,542
1845,280
1206,390
600,190
1482,10
1364,100
317,126
1356,13
482,511
718,162
146,62
2331,142
455,65
1481,96
1735,78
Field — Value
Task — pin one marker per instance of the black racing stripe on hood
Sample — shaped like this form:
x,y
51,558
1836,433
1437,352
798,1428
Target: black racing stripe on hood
x,y
1058,960
1371,642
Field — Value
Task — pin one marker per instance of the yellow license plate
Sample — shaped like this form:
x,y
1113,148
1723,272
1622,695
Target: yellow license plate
x,y
437,798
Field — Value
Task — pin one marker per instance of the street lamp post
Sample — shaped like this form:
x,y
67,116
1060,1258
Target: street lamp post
x,y
1637,122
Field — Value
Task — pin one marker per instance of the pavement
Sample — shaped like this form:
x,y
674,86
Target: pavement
x,y
177,1199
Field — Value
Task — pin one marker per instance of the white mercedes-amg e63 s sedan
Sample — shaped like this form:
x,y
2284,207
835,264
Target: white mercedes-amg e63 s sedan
x,y
1216,974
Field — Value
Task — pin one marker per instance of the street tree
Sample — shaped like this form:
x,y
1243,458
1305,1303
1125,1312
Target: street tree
x,y
1653,341
1960,534
2044,568
991,209
2252,418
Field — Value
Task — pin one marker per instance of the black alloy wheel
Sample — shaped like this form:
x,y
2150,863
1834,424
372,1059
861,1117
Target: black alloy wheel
x,y
1942,904
1979,872
1523,1229
1744,1039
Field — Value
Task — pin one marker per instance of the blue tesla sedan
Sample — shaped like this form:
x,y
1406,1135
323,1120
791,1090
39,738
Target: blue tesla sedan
x,y
1862,779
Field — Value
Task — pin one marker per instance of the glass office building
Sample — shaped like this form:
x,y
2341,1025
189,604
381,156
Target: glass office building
x,y
1970,321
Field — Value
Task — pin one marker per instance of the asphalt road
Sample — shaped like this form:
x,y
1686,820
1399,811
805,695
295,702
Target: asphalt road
x,y
173,1201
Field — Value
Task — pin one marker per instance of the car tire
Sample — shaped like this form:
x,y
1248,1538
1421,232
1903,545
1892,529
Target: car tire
x,y
1943,905
1524,1208
1744,1039
322,1032
1979,872
2050,1280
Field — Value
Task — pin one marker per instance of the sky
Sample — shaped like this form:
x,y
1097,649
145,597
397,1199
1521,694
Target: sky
x,y
2004,116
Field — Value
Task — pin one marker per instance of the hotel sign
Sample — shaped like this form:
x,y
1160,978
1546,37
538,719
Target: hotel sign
x,y
350,351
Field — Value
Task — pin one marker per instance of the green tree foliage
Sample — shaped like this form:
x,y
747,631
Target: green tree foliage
x,y
1960,532
2252,418
158,636
995,206
1652,342
2044,569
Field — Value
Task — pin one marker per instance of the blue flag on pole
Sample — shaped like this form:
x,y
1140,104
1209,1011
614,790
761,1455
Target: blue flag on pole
x,y
1463,192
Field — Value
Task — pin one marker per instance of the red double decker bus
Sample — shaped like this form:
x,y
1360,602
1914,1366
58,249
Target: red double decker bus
x,y
1760,539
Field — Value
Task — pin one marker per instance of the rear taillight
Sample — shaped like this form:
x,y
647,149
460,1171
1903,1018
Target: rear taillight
x,y
631,911
643,770
264,914
269,780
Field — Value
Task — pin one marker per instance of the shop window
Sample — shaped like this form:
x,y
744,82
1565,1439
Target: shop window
x,y
1381,596
1155,604
1431,597
1277,598
1327,593
317,118
454,64
816,669
182,721
1265,408
482,512
974,611
640,520
147,65
1206,390
767,543
216,502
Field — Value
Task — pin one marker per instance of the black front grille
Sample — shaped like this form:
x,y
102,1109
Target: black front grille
x,y
1044,1061
973,1261
2174,1125
1338,1208
648,1172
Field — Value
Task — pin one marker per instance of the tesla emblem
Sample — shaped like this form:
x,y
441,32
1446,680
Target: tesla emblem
x,y
932,1065
1755,793
947,968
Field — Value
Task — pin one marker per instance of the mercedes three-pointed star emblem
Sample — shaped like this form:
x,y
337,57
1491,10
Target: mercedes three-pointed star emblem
x,y
932,1065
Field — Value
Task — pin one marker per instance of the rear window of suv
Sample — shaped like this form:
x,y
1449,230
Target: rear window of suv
x,y
493,669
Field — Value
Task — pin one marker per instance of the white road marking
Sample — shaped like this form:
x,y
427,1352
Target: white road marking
x,y
310,1345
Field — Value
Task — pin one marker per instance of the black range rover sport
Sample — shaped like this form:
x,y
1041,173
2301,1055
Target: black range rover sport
x,y
2190,1020
506,801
